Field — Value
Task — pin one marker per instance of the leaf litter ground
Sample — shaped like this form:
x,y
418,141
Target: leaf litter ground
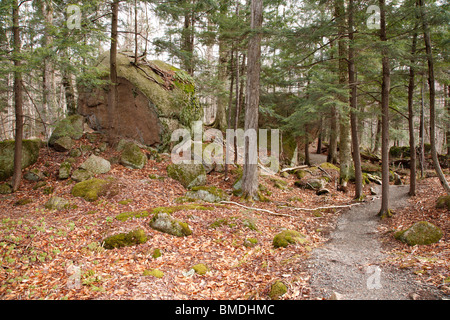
x,y
48,254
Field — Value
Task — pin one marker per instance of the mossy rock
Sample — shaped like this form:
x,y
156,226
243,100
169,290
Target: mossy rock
x,y
286,237
277,289
329,166
75,153
278,183
71,127
120,240
207,194
219,223
132,157
63,144
30,155
189,175
154,273
250,242
200,269
368,167
92,189
96,165
23,202
124,216
443,202
5,188
164,222
64,170
300,174
173,209
156,253
81,175
420,233
33,175
57,203
250,223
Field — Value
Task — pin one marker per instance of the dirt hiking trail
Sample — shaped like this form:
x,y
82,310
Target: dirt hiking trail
x,y
349,266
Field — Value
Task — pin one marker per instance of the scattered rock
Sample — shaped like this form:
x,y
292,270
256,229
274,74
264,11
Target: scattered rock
x,y
322,192
33,175
64,170
120,240
57,203
189,175
277,289
420,233
164,222
30,155
23,202
443,202
132,157
286,237
207,194
63,144
312,184
40,184
75,153
96,165
80,175
92,189
374,179
373,191
5,188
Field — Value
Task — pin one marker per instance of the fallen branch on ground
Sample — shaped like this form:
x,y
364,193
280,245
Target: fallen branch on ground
x,y
324,208
258,209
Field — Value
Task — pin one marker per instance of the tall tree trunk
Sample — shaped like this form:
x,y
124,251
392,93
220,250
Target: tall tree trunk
x,y
353,105
422,129
250,175
412,143
18,100
332,149
188,40
431,85
385,87
447,103
344,123
319,139
135,32
113,94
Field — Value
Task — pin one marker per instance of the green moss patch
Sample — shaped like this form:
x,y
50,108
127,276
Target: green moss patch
x,y
443,202
277,289
286,237
120,240
162,221
124,216
173,209
420,233
92,189
200,269
154,273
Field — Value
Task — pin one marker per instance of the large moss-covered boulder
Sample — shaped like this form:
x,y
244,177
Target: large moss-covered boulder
x,y
207,194
71,127
312,184
5,188
443,202
96,165
287,237
132,157
189,175
155,98
30,154
120,240
92,189
420,233
164,222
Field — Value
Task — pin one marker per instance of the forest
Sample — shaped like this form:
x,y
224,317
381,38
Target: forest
x,y
224,150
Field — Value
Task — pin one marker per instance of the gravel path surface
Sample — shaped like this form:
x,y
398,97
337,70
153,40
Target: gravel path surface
x,y
348,267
